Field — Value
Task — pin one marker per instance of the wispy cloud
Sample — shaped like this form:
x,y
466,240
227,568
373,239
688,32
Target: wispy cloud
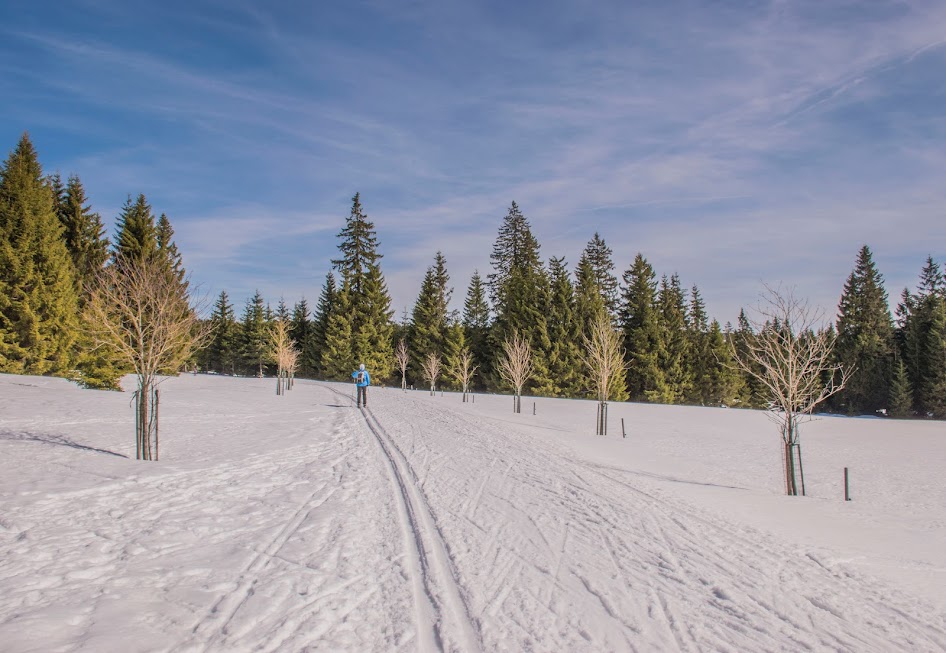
x,y
730,142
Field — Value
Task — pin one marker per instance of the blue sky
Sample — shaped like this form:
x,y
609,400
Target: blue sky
x,y
733,143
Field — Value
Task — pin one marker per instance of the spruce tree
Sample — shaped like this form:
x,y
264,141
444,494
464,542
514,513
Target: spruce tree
x,y
167,250
589,297
38,298
136,235
674,354
300,330
222,353
933,388
865,338
430,317
85,239
282,311
370,302
918,335
900,399
599,256
519,287
476,325
701,355
373,332
323,309
454,345
642,336
337,357
752,393
84,232
254,336
565,368
722,382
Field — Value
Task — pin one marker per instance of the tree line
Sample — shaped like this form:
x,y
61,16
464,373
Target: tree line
x,y
673,351
52,246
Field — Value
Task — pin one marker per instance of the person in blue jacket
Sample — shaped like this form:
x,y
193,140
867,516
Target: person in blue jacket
x,y
362,381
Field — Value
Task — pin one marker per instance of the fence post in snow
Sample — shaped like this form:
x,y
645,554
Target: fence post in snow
x,y
533,408
623,432
847,493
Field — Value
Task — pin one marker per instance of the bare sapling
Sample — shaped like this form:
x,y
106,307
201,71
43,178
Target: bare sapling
x,y
461,369
789,353
515,366
400,353
431,369
281,351
603,357
142,312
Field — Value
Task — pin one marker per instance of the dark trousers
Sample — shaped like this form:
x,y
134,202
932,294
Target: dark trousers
x,y
362,395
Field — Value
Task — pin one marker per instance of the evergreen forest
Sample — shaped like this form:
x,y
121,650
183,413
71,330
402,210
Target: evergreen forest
x,y
53,246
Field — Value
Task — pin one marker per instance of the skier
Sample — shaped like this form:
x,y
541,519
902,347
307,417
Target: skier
x,y
362,381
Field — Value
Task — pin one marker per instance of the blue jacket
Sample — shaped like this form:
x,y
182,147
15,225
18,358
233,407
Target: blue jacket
x,y
366,382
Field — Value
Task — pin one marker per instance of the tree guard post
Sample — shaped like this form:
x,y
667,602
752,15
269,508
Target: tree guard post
x,y
157,398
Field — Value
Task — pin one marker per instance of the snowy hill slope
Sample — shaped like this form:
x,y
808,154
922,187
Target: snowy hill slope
x,y
299,523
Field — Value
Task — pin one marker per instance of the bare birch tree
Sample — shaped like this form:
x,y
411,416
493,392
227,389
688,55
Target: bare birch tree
x,y
789,353
515,366
431,368
144,315
603,356
461,369
401,355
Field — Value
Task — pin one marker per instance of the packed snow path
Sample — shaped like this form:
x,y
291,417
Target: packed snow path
x,y
422,524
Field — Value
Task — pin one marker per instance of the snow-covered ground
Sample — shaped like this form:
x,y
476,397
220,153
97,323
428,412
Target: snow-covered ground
x,y
423,524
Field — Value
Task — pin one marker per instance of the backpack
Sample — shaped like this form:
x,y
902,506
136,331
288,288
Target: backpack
x,y
361,376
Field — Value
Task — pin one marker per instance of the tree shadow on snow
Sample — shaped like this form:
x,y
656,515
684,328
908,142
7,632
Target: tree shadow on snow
x,y
49,438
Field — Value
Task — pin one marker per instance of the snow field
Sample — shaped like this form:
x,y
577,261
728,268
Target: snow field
x,y
424,524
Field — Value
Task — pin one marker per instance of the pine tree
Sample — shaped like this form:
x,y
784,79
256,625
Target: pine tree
x,y
38,298
84,232
221,355
598,256
370,302
476,325
642,336
136,235
865,338
901,392
323,309
254,335
565,367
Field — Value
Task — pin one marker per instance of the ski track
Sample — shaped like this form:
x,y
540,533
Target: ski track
x,y
296,554
534,545
442,617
